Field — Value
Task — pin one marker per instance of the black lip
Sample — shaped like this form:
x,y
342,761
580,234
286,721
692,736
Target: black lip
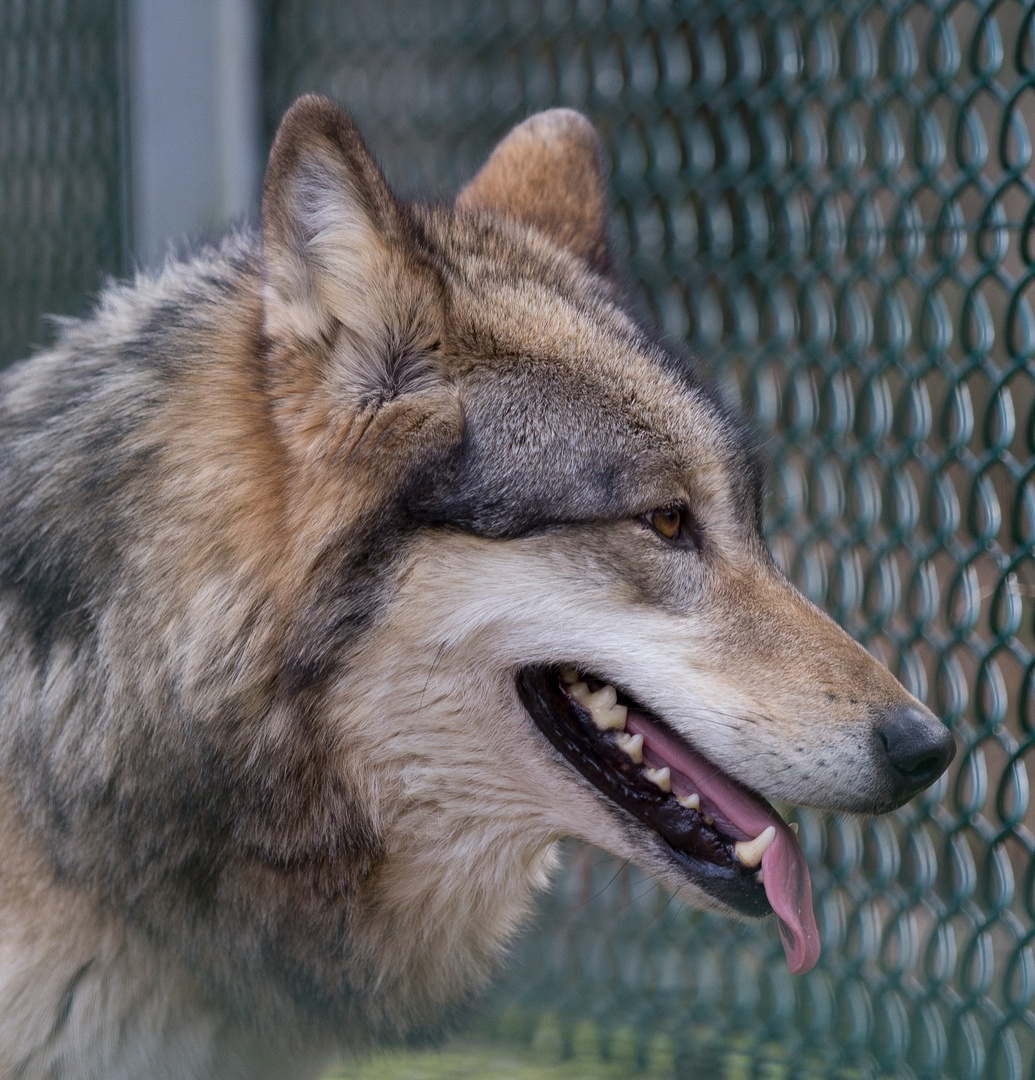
x,y
703,854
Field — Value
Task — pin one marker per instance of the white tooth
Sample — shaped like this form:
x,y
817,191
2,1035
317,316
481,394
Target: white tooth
x,y
569,675
611,720
607,715
662,777
794,827
689,802
750,852
579,691
603,698
708,819
631,744
759,878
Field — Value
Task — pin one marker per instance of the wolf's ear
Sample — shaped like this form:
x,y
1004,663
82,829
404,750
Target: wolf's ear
x,y
549,172
340,261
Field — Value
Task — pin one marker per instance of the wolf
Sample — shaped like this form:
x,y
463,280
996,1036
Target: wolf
x,y
347,565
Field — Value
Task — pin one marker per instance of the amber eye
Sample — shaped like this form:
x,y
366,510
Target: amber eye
x,y
668,522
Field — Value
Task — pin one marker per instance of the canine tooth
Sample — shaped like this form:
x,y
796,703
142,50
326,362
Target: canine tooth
x,y
689,802
569,675
631,744
759,878
662,777
794,827
750,852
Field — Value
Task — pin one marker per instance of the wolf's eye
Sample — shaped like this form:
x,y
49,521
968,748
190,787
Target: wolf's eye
x,y
668,522
676,525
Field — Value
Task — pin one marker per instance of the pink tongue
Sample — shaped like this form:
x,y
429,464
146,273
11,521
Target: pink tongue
x,y
784,870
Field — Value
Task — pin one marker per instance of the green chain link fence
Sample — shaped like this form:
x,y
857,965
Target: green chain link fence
x,y
832,203
63,185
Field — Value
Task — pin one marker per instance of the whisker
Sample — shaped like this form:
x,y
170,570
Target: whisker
x,y
431,672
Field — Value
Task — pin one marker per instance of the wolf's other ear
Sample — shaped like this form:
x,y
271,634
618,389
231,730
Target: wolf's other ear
x,y
339,256
549,173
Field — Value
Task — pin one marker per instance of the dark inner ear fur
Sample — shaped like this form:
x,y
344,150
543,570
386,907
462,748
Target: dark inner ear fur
x,y
549,173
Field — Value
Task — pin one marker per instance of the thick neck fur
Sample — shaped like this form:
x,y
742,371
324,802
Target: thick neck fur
x,y
204,771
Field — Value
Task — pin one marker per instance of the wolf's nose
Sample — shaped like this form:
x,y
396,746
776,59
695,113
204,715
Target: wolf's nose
x,y
919,748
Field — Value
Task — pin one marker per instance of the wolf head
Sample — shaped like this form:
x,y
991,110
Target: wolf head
x,y
538,599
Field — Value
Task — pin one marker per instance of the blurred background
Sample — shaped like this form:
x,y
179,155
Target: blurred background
x,y
831,204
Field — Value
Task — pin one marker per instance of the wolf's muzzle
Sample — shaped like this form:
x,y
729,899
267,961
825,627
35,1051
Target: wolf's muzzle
x,y
917,748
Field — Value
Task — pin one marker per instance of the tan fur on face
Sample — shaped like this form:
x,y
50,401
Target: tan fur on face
x,y
723,681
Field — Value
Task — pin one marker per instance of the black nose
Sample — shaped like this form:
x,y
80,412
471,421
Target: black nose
x,y
919,748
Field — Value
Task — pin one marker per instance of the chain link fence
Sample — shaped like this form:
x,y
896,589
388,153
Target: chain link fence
x,y
833,205
63,183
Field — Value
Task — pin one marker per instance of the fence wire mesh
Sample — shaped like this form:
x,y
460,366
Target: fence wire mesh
x,y
832,203
62,154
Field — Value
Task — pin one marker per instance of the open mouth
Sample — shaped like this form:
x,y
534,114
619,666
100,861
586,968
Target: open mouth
x,y
729,841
